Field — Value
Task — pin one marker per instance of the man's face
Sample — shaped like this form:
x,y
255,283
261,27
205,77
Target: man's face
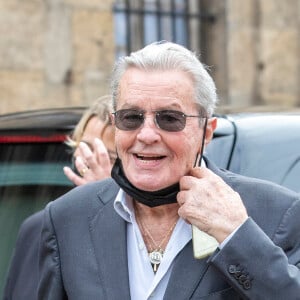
x,y
153,158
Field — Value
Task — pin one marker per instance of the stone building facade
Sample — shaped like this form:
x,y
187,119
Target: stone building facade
x,y
255,46
56,53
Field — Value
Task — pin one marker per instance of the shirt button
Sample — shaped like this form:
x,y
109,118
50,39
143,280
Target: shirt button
x,y
141,246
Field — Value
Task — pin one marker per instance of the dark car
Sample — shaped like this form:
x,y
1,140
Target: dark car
x,y
265,146
33,153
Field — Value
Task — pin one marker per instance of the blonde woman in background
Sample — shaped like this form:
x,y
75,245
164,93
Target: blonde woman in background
x,y
93,141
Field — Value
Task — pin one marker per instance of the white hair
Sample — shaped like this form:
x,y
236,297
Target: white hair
x,y
169,56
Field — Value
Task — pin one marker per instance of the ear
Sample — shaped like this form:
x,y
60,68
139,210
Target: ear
x,y
211,126
112,119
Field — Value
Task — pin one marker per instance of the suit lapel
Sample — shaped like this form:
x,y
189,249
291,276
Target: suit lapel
x,y
186,274
224,174
108,234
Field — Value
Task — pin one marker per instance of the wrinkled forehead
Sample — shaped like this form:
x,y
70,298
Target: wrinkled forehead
x,y
154,89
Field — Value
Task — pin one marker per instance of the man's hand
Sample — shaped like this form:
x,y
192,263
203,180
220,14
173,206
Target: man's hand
x,y
92,165
207,202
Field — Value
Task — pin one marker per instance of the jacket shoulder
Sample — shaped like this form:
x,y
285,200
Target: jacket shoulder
x,y
86,197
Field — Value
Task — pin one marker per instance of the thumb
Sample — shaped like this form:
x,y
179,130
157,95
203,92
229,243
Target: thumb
x,y
199,172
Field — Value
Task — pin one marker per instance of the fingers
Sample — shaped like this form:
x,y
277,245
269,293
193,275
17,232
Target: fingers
x,y
100,165
99,155
207,202
87,157
102,154
92,165
202,172
77,180
81,166
199,172
186,182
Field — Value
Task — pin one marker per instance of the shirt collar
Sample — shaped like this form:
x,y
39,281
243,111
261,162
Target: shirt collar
x,y
123,206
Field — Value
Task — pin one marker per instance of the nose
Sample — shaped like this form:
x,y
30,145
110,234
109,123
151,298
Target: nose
x,y
149,132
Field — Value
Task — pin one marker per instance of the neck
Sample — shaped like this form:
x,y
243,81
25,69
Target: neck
x,y
163,212
156,221
156,226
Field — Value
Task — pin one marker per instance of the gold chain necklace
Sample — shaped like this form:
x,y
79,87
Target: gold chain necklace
x,y
156,253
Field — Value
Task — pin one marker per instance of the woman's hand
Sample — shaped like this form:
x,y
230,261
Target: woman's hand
x,y
92,165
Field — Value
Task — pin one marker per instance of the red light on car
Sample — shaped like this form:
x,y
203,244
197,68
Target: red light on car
x,y
58,138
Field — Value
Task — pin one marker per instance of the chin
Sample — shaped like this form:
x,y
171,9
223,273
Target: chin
x,y
150,184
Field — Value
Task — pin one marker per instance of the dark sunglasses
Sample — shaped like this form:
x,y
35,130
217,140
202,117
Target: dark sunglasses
x,y
168,120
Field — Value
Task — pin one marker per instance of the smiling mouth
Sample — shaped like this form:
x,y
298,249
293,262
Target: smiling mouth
x,y
143,157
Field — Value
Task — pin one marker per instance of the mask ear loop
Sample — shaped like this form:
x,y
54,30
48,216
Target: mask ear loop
x,y
200,155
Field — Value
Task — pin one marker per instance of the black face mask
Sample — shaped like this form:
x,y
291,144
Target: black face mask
x,y
152,199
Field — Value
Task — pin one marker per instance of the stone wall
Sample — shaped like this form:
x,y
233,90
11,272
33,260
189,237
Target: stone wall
x,y
255,53
279,52
56,53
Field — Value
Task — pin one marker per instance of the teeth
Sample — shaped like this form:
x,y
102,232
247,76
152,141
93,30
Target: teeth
x,y
142,157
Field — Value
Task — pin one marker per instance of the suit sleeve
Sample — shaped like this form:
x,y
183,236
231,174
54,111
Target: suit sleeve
x,y
24,261
50,279
262,267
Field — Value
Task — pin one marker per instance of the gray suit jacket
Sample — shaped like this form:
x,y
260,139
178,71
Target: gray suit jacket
x,y
83,249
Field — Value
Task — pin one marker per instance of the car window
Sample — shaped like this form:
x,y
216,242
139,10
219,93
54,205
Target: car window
x,y
264,146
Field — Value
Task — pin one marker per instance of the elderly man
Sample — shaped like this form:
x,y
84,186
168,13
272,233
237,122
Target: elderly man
x,y
130,237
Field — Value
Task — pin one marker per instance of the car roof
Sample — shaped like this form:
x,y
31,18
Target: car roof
x,y
263,145
55,118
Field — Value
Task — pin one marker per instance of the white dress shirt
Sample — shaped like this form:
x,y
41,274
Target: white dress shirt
x,y
144,284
